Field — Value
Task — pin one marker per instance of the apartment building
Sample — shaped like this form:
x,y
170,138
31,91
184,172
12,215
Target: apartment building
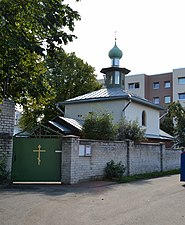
x,y
161,89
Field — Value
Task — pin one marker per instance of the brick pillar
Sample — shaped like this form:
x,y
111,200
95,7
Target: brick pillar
x,y
70,158
7,117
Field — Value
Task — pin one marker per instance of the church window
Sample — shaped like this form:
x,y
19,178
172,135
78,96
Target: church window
x,y
111,80
143,118
117,77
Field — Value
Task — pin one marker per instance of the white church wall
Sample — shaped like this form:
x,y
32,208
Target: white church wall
x,y
80,110
134,112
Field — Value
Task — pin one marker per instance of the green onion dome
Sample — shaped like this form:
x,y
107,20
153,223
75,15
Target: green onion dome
x,y
115,52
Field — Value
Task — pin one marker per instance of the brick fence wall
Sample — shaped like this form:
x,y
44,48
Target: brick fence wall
x,y
86,159
7,116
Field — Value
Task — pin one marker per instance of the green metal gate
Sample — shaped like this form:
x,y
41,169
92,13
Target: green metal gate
x,y
36,160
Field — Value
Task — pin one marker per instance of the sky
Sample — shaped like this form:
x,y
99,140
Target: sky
x,y
150,33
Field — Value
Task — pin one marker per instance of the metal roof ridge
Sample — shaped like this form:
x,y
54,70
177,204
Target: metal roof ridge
x,y
110,94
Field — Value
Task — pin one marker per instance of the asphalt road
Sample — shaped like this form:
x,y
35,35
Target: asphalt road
x,y
159,201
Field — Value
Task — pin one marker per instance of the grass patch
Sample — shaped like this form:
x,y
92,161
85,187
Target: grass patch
x,y
148,176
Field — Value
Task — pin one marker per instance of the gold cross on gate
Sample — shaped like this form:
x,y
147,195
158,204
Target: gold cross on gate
x,y
39,151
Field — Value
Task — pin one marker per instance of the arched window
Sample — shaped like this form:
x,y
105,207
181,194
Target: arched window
x,y
144,118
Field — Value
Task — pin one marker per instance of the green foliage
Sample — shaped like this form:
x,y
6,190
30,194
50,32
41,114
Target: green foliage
x,y
67,77
28,30
177,115
137,177
70,76
98,126
4,174
114,170
29,119
130,130
167,125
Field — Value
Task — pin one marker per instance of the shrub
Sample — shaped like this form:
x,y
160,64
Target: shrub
x,y
98,126
4,175
130,130
114,170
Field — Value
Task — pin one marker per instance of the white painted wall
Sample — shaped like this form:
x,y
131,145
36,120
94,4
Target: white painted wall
x,y
132,112
80,110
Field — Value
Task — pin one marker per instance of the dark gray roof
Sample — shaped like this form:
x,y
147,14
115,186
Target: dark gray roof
x,y
107,94
123,70
65,125
162,135
60,127
72,122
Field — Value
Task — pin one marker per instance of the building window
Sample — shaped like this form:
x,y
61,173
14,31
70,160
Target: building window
x,y
167,84
155,85
181,80
133,85
156,100
181,96
136,85
143,118
167,99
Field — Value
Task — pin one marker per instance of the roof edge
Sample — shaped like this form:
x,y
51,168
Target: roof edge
x,y
93,100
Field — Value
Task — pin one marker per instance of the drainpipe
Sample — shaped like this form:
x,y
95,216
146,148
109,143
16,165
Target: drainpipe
x,y
59,109
163,115
130,100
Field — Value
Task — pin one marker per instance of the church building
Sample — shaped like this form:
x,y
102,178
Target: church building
x,y
113,99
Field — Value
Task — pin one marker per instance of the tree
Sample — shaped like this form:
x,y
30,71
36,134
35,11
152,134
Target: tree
x,y
167,124
67,77
178,113
29,30
98,126
130,130
177,116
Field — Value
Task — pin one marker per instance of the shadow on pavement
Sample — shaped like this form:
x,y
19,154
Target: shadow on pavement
x,y
93,187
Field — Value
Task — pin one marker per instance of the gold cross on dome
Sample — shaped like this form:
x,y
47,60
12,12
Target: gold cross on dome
x,y
38,156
